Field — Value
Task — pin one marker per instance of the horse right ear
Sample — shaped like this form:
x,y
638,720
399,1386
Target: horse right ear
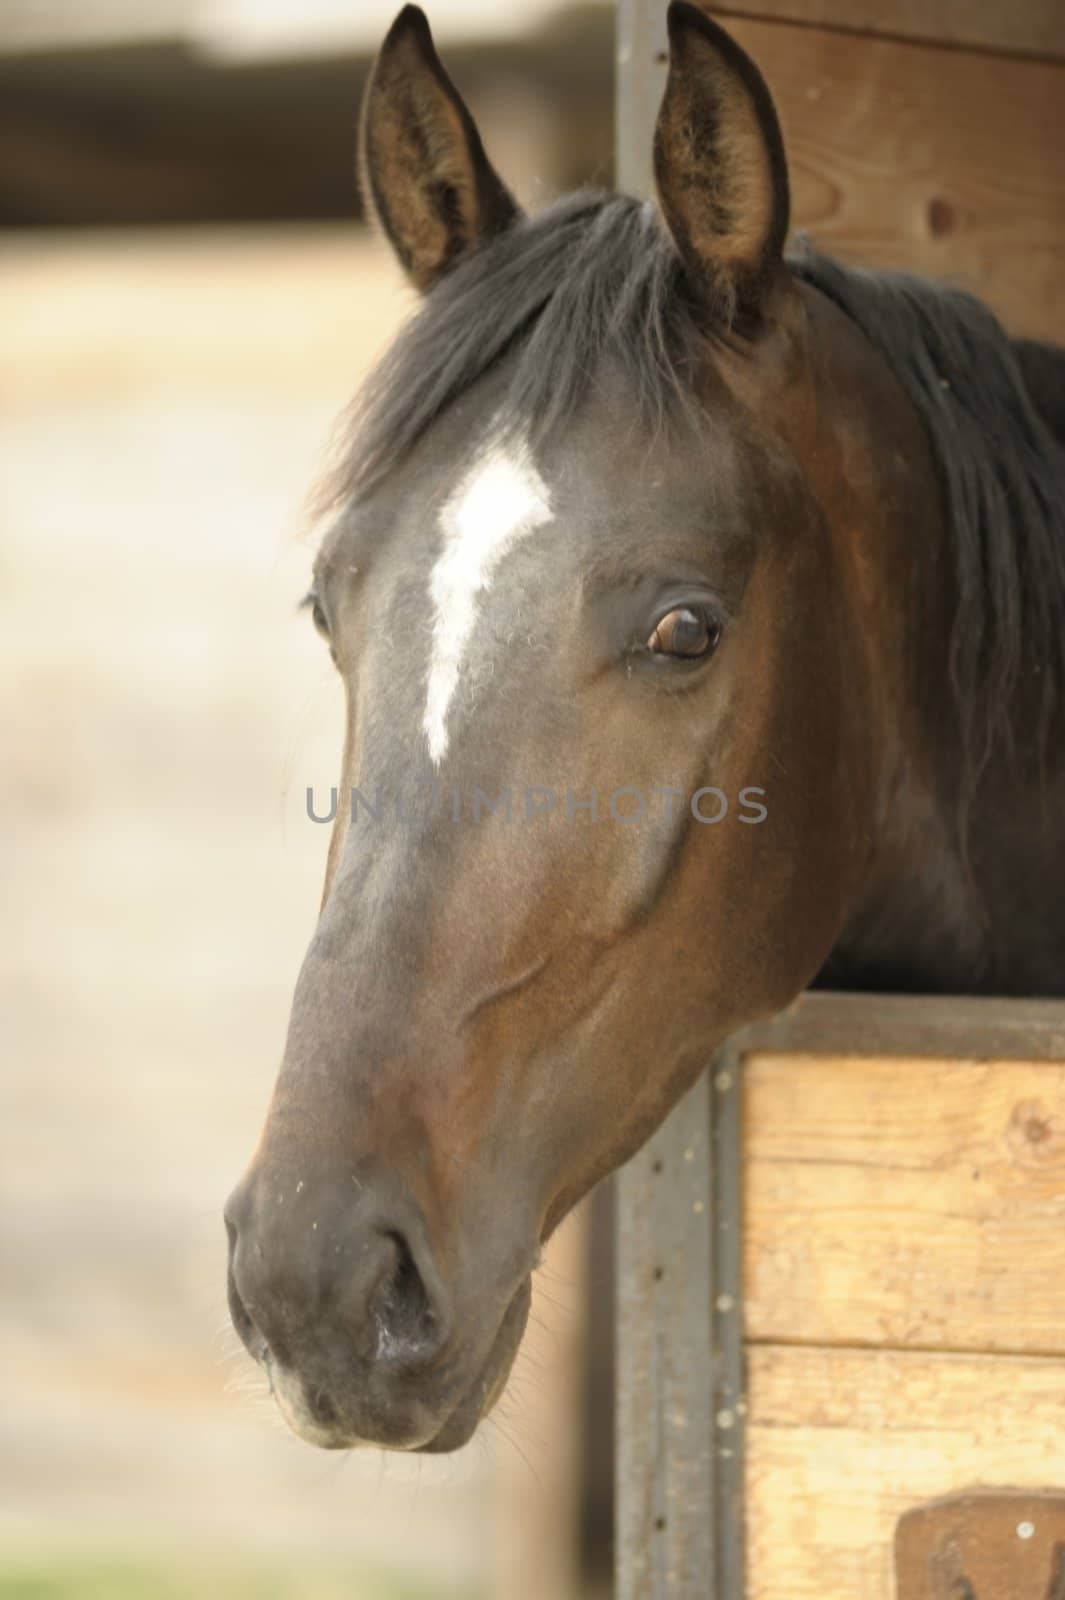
x,y
719,164
425,174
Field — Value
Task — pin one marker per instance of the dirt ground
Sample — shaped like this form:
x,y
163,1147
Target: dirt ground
x,y
165,402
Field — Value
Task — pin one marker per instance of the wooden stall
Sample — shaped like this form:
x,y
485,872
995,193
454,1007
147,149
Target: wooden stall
x,y
843,1299
842,1261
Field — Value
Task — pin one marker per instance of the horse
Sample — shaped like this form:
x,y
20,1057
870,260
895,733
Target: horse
x,y
700,607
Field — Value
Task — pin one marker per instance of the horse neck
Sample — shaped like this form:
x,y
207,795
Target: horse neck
x,y
965,888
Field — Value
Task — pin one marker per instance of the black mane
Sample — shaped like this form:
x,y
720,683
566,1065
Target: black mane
x,y
593,275
1002,475
596,275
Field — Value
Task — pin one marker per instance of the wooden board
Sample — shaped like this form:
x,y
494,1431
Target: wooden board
x,y
950,163
1027,27
842,1442
907,1203
927,1027
986,1544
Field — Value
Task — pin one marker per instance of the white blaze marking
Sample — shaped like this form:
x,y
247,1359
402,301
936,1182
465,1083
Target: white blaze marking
x,y
501,500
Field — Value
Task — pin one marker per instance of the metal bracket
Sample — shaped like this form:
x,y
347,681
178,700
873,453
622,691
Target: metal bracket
x,y
681,1410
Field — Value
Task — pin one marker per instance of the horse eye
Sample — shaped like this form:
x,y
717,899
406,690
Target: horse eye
x,y
689,632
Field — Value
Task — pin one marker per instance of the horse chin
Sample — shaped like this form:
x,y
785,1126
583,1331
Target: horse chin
x,y
460,1423
290,1403
488,1389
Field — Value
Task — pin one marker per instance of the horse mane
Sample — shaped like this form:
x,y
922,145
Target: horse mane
x,y
1002,477
593,276
596,276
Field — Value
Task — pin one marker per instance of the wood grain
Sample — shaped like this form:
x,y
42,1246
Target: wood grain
x,y
842,1442
950,163
1027,27
918,1204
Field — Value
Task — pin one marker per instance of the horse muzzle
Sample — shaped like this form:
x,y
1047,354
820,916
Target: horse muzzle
x,y
336,1291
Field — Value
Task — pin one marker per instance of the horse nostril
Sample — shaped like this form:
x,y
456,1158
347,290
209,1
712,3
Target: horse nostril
x,y
333,1286
408,1326
241,1318
321,1408
243,1321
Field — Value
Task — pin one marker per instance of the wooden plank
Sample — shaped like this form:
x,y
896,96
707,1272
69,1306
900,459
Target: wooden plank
x,y
842,1442
915,1204
987,1545
943,162
940,1026
1026,27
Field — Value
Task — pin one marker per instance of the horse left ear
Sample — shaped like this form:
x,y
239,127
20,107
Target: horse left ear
x,y
425,173
719,165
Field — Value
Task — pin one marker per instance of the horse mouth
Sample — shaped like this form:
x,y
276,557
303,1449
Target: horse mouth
x,y
488,1388
315,1417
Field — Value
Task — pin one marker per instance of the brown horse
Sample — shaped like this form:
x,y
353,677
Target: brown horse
x,y
701,613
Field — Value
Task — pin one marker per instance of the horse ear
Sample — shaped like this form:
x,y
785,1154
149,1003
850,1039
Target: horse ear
x,y
425,173
719,164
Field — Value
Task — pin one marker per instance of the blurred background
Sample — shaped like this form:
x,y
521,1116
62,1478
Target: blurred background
x,y
187,301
